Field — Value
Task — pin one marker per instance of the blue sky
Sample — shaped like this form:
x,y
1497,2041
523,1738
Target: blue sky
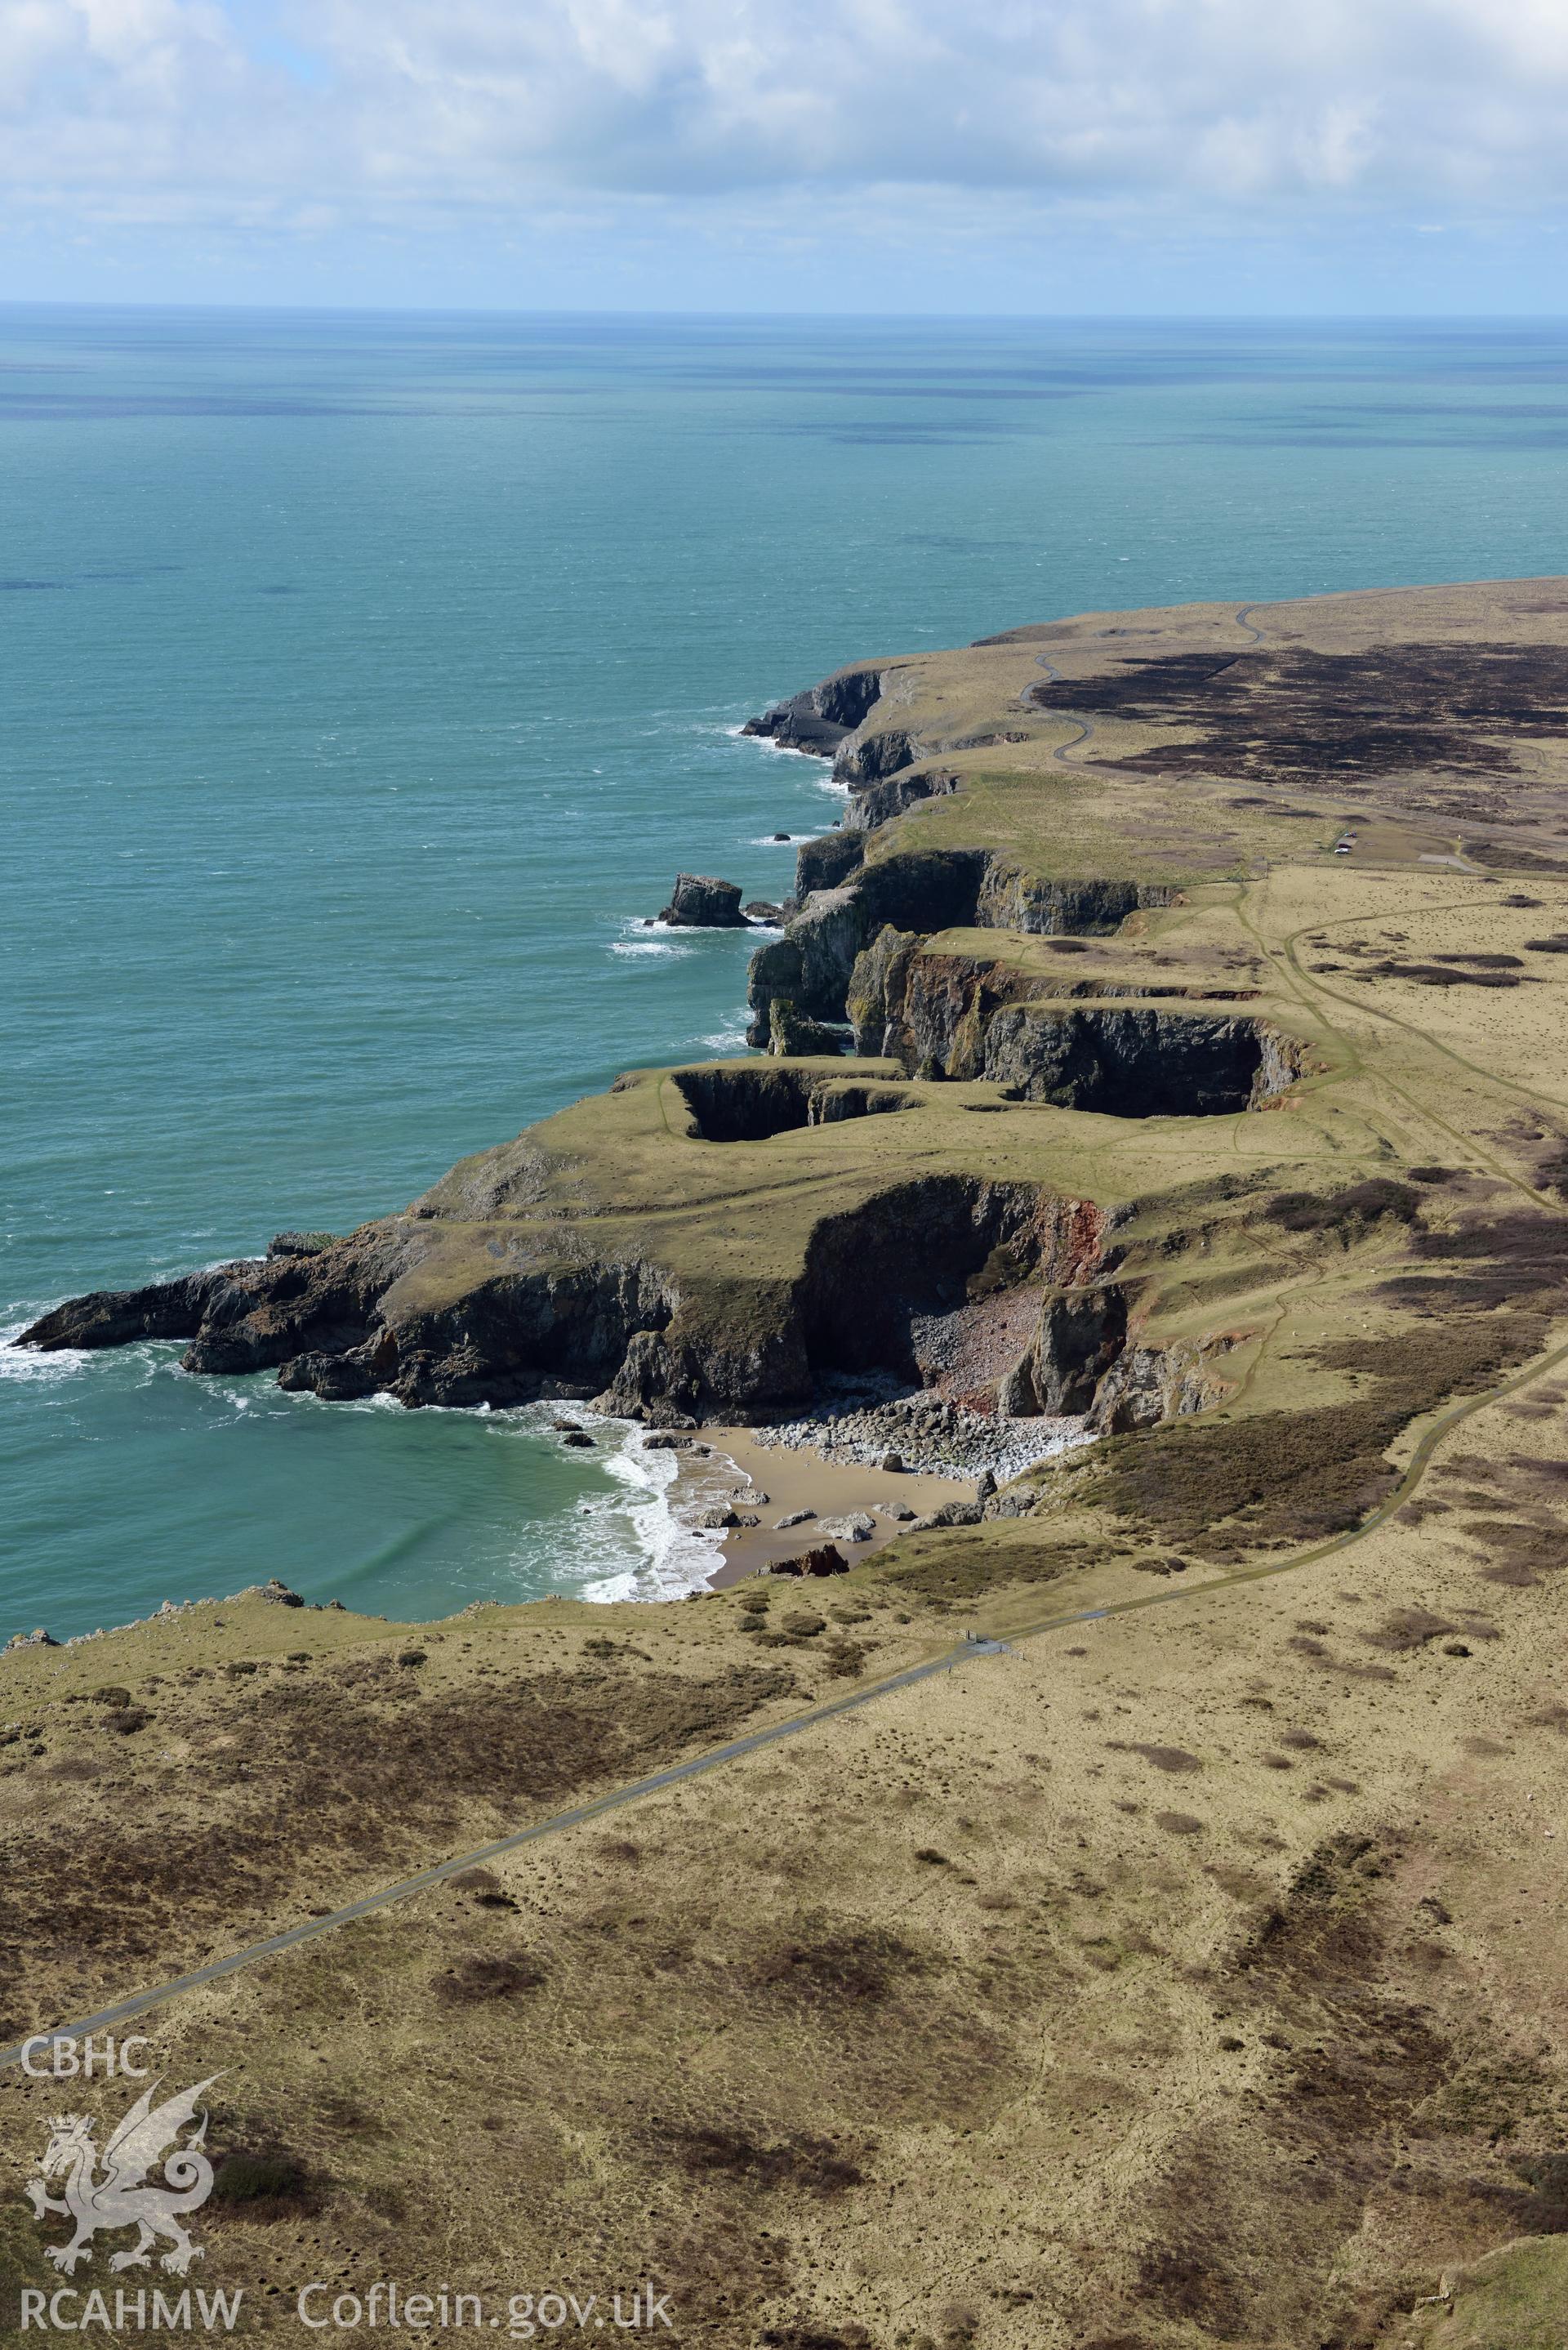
x,y
1079,156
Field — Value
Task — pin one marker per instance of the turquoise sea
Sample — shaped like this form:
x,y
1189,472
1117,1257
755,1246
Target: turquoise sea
x,y
363,681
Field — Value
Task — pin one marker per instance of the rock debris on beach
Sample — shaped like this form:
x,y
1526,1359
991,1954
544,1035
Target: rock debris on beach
x,y
855,1527
931,1437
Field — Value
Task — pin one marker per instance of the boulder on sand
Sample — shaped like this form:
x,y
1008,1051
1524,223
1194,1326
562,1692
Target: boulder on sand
x,y
952,1513
702,903
824,1560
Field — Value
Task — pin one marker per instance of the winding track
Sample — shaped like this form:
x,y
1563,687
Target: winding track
x,y
734,1749
1086,725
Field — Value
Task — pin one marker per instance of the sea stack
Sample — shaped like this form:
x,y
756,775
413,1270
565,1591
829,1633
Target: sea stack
x,y
698,903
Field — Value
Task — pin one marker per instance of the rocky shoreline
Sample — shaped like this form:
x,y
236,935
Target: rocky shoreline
x,y
929,1436
616,1255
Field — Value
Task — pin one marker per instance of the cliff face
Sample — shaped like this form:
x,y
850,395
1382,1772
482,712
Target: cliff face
x,y
955,1016
865,760
337,1322
935,1011
1144,1386
337,1326
818,719
824,862
875,998
848,901
1127,1061
810,965
1011,900
346,1320
1081,1333
759,1099
877,803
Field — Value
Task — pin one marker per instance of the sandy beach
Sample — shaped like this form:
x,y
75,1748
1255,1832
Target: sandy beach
x,y
800,1480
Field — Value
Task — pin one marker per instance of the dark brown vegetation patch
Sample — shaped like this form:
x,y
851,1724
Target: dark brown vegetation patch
x,y
1484,1262
839,1965
264,2186
1517,1553
800,2161
1546,1476
813,2337
1544,2211
1407,1629
1186,2280
961,1571
334,1772
1350,1212
1249,2224
1357,719
1294,1476
480,1981
1164,1758
1442,975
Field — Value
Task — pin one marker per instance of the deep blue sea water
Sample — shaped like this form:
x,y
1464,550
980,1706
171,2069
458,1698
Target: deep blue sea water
x,y
364,680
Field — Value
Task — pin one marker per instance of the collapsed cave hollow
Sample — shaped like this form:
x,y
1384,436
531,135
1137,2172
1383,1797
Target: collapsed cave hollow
x,y
753,1103
875,1272
1132,1060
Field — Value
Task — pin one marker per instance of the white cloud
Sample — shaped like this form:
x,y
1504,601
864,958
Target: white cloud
x,y
138,107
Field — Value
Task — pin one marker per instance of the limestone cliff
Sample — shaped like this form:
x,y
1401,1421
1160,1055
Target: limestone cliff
x,y
1126,1032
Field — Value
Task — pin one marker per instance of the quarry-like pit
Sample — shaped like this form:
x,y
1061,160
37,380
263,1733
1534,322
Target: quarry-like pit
x,y
752,1103
1132,1060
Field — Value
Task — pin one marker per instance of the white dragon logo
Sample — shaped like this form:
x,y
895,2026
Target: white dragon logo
x,y
122,2197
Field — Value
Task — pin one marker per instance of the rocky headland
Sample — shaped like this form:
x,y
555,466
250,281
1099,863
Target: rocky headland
x,y
1053,1112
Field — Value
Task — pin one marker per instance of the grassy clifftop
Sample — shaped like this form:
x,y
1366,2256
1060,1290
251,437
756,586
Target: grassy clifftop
x,y
1206,740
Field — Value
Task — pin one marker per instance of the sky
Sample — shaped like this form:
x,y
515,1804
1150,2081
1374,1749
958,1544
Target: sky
x,y
1081,157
